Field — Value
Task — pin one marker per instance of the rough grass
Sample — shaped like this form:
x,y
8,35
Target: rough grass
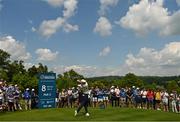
x,y
96,114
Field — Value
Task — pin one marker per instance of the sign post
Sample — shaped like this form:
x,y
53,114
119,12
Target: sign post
x,y
47,90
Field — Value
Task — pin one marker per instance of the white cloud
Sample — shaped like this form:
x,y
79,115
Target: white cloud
x,y
15,48
70,7
172,27
147,62
69,28
33,29
49,27
28,65
178,2
87,71
46,54
105,4
144,17
55,3
103,27
105,51
148,16
153,62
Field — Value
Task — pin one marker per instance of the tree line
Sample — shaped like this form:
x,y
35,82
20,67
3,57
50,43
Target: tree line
x,y
14,72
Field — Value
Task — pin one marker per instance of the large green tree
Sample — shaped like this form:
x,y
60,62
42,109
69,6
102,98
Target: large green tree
x,y
4,59
68,79
173,85
131,79
25,81
36,70
15,67
4,63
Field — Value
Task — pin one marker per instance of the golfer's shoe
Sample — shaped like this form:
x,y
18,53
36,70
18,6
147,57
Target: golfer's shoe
x,y
75,113
87,114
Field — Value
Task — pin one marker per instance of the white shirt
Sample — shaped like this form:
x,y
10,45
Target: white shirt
x,y
84,88
69,92
144,94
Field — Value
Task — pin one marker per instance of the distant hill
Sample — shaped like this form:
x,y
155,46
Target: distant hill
x,y
105,78
147,79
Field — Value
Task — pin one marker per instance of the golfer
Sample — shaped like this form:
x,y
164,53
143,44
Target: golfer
x,y
83,96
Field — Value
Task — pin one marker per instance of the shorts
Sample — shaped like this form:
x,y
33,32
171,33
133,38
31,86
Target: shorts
x,y
100,99
123,99
158,101
138,99
94,99
144,100
150,101
165,101
105,98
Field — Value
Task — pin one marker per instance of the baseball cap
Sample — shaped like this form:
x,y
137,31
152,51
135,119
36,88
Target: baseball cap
x,y
83,81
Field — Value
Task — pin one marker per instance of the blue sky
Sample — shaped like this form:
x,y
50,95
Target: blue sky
x,y
94,37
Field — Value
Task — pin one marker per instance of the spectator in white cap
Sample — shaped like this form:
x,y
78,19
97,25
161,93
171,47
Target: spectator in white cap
x,y
27,98
17,98
83,97
112,95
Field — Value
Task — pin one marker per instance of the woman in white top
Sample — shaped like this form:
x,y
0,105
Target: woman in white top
x,y
165,100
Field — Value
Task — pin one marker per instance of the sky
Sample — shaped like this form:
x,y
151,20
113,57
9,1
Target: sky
x,y
94,37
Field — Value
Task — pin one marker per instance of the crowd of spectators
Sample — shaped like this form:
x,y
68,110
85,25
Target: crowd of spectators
x,y
13,99
132,97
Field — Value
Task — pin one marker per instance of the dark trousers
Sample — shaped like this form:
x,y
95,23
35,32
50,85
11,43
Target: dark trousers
x,y
63,102
113,99
117,99
11,106
83,103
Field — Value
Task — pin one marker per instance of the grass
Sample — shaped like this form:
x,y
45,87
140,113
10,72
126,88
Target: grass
x,y
109,114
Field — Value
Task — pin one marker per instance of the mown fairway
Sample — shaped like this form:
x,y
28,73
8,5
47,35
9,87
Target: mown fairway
x,y
109,114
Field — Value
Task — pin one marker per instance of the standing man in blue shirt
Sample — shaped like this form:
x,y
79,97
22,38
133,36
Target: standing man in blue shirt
x,y
27,98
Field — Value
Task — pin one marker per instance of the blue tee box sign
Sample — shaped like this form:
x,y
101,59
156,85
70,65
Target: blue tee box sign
x,y
47,90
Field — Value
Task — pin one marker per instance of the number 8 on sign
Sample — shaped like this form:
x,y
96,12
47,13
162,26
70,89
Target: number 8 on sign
x,y
43,88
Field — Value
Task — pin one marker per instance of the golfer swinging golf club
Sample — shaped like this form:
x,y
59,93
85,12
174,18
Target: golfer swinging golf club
x,y
83,100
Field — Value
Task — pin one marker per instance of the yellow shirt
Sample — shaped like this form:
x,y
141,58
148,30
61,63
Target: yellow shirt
x,y
158,96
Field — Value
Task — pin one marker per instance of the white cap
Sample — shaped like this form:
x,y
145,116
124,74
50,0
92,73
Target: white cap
x,y
112,86
133,86
33,90
137,88
27,89
83,81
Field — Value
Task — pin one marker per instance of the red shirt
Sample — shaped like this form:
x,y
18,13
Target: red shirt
x,y
150,95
